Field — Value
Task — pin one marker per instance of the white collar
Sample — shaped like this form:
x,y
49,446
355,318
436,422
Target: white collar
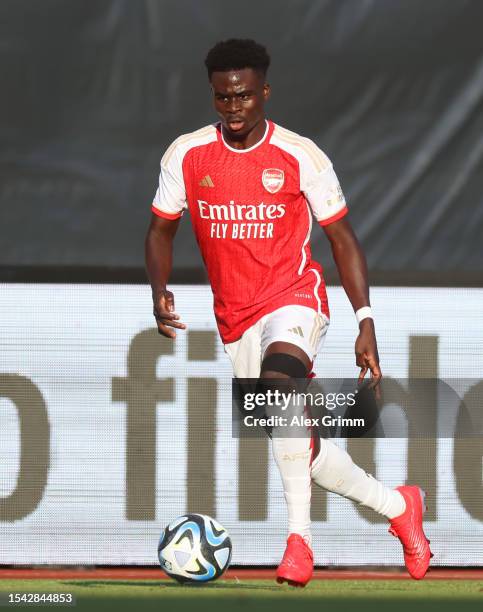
x,y
257,144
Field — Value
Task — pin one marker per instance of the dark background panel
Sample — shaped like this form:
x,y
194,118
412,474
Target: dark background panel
x,y
93,92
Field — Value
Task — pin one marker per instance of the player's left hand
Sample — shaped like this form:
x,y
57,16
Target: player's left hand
x,y
367,357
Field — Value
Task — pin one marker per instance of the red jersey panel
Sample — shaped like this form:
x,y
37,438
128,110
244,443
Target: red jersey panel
x,y
251,211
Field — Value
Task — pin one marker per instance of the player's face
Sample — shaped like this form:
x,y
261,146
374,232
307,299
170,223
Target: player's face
x,y
239,98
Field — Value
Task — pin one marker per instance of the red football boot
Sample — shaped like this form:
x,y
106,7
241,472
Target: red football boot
x,y
408,527
298,562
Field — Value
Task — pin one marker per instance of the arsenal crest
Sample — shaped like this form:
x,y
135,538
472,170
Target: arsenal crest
x,y
273,179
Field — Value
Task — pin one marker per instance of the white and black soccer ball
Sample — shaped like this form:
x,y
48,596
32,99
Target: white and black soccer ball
x,y
194,548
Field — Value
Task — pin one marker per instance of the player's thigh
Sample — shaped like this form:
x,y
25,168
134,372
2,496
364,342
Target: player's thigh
x,y
297,325
245,354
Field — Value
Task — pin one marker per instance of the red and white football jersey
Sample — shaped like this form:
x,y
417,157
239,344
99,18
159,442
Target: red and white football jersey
x,y
251,211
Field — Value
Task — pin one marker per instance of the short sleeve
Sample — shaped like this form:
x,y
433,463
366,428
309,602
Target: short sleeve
x,y
170,198
324,194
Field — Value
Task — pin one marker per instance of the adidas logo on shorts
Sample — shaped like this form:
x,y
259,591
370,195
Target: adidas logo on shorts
x,y
297,330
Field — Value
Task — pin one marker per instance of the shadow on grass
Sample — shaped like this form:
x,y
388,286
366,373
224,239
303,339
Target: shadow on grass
x,y
219,586
257,603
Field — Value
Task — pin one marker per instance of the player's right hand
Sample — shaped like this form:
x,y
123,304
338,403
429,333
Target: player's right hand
x,y
166,318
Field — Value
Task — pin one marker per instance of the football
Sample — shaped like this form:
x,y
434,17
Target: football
x,y
194,548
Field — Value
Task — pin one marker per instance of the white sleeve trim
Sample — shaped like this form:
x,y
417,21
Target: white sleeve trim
x,y
325,195
170,195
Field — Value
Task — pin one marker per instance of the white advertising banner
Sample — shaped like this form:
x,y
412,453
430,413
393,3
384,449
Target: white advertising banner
x,y
108,431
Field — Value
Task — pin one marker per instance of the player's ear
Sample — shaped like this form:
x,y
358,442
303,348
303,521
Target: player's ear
x,y
266,91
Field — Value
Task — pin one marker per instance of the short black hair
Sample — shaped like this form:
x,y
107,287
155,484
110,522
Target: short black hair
x,y
236,54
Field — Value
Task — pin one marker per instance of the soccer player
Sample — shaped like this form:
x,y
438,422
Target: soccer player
x,y
252,189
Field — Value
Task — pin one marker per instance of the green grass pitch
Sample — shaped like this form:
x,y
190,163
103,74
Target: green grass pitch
x,y
261,595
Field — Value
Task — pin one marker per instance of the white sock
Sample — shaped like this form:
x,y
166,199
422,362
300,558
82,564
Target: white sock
x,y
334,470
292,456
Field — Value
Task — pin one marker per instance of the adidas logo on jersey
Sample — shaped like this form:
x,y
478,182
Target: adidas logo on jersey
x,y
297,330
206,181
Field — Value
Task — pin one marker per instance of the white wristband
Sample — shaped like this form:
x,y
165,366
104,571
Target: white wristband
x,y
364,313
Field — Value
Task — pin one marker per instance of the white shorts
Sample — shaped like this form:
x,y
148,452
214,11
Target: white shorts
x,y
298,325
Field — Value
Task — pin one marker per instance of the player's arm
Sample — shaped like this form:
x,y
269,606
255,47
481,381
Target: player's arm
x,y
351,265
159,260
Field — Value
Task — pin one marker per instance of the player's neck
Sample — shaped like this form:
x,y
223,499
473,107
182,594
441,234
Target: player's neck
x,y
249,140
